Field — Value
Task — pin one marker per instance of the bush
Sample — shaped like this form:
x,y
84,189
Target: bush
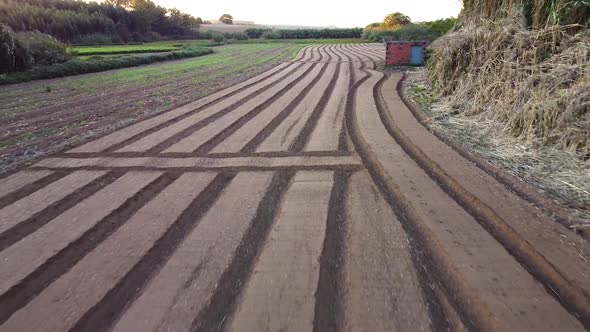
x,y
97,64
7,49
217,37
239,36
255,33
273,34
93,39
411,32
318,33
44,49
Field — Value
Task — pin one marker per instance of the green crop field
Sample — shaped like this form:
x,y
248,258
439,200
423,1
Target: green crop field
x,y
168,46
154,47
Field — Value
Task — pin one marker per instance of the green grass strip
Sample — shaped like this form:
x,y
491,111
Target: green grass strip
x,y
76,67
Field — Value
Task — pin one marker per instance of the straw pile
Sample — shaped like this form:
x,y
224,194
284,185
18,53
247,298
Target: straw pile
x,y
535,82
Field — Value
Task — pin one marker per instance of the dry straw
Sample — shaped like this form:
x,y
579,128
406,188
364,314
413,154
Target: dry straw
x,y
521,78
535,82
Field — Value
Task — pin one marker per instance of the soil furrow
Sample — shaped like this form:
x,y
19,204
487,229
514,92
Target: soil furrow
x,y
15,192
145,133
37,201
478,315
575,299
229,287
304,135
328,312
289,110
191,274
71,295
502,273
221,130
19,295
36,221
106,312
270,127
522,189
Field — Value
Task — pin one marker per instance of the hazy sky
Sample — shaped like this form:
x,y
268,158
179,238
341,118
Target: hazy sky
x,y
316,12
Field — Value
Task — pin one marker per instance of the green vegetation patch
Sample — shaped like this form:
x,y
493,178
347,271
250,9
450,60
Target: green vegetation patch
x,y
92,65
122,49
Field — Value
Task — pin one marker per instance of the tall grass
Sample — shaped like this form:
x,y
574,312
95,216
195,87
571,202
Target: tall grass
x,y
519,64
537,13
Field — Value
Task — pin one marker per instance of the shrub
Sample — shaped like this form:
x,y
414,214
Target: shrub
x,y
273,34
255,33
44,49
93,39
97,64
239,36
7,49
318,33
217,37
411,32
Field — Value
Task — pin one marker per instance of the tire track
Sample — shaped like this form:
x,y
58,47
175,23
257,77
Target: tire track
x,y
19,295
328,315
39,219
478,316
574,299
303,138
177,140
105,313
269,128
223,302
135,131
203,122
71,296
19,193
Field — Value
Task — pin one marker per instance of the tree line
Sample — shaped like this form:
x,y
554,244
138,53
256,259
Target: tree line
x,y
119,20
398,26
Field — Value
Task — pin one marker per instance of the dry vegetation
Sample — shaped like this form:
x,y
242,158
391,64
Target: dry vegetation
x,y
535,82
513,80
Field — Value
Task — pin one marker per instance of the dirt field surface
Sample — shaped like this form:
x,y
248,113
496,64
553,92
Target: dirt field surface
x,y
307,197
35,122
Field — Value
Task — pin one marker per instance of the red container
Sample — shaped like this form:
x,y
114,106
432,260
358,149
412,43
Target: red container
x,y
399,53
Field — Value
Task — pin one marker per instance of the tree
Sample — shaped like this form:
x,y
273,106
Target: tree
x,y
7,49
226,19
119,3
396,20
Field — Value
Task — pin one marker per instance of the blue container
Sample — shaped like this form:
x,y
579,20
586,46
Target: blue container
x,y
416,56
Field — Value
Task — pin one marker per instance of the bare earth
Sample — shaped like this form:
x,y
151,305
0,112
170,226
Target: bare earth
x,y
305,198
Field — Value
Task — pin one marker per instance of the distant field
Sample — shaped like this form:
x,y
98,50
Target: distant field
x,y
154,47
305,41
242,27
76,108
229,27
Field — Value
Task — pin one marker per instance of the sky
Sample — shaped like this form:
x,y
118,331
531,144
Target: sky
x,y
316,12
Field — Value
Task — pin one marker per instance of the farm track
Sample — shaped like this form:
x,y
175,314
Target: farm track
x,y
305,198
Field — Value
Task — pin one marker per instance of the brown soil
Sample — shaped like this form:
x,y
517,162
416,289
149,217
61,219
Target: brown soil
x,y
306,197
